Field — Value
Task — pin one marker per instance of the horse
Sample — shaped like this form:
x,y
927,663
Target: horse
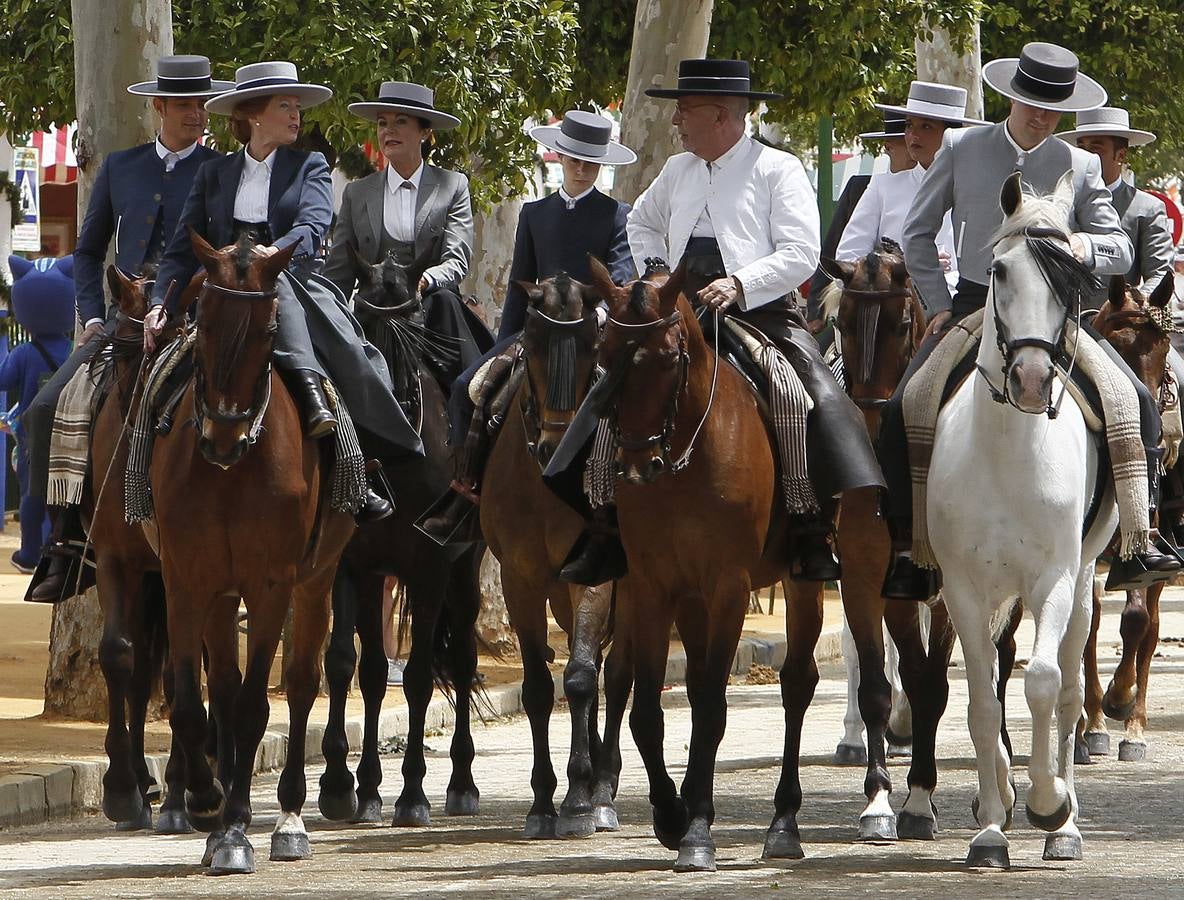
x,y
530,531
1031,476
440,585
1134,323
241,511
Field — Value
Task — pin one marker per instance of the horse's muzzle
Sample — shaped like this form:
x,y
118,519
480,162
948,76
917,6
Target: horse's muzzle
x,y
646,474
1030,381
224,459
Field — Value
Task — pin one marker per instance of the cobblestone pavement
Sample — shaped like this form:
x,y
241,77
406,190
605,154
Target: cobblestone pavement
x,y
1130,816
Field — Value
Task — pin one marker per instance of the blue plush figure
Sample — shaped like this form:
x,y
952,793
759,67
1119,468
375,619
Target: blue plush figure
x,y
43,304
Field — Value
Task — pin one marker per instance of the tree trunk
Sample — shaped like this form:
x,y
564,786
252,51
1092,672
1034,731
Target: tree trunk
x,y
5,211
939,60
664,32
493,251
493,621
116,43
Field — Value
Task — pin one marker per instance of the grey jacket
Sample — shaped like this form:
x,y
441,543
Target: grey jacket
x,y
966,177
443,226
1146,223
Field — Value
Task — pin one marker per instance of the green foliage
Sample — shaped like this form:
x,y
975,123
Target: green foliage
x,y
36,65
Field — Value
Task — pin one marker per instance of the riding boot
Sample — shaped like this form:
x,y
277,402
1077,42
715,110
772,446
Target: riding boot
x,y
449,513
375,507
309,395
1160,561
597,555
812,557
906,580
62,572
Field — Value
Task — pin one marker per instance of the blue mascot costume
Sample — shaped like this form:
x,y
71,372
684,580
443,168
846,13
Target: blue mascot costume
x,y
43,304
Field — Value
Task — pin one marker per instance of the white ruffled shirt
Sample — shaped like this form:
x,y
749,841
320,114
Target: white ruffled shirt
x,y
254,188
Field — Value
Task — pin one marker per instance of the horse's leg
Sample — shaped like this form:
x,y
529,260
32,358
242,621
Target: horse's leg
x,y
799,678
899,733
1005,649
302,682
591,607
172,818
337,800
224,680
618,681
372,675
1095,738
1133,746
851,750
460,619
1122,692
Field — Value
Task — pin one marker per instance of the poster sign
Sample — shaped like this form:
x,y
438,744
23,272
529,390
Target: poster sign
x,y
26,231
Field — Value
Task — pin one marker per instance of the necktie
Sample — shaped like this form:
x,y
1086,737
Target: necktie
x,y
170,161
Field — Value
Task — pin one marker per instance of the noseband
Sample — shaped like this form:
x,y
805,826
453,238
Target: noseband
x,y
561,358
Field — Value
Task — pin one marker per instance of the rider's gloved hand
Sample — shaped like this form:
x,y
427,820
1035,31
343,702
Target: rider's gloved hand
x,y
153,326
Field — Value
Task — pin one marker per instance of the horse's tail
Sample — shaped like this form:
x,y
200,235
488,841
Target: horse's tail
x,y
1001,619
156,631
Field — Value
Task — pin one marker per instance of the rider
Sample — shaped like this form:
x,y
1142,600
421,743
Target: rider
x,y
965,179
417,212
743,219
555,234
281,197
136,202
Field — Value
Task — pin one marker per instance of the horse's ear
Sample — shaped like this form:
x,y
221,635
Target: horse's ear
x,y
668,293
602,281
840,271
591,297
1011,196
189,295
121,286
1117,291
271,266
361,268
900,272
1063,192
534,293
201,247
1162,295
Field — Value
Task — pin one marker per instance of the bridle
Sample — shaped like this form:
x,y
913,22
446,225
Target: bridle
x,y
867,324
560,332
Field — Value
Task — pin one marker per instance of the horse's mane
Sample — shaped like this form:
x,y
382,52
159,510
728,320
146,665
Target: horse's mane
x,y
1037,211
830,299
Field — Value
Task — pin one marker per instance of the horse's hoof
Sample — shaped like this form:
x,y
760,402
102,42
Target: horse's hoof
x,y
289,846
141,823
1132,751
1062,846
212,840
461,803
988,856
695,859
338,807
1006,821
1081,755
233,855
605,818
578,826
783,845
205,813
900,751
123,806
417,815
877,828
670,830
850,755
369,811
898,744
912,827
173,821
1118,712
540,827
1053,821
1098,743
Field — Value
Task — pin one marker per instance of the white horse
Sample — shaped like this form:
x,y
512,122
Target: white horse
x,y
1009,486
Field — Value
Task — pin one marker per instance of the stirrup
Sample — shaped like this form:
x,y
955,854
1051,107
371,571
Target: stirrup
x,y
78,575
1132,575
468,526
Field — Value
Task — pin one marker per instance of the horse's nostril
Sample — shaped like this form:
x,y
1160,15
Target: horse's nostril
x,y
544,453
657,465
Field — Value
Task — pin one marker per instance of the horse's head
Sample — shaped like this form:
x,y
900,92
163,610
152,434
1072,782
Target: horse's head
x,y
879,321
559,344
1138,326
1037,284
236,326
645,354
385,288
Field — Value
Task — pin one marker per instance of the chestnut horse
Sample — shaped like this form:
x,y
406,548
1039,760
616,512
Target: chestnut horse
x,y
530,530
440,584
243,513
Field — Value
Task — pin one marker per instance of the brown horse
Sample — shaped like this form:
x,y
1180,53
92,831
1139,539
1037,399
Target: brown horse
x,y
1133,323
241,511
530,531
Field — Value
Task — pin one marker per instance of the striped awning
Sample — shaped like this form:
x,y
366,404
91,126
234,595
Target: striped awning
x,y
58,163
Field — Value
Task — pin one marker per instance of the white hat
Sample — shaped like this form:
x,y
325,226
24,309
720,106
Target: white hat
x,y
928,100
267,79
1108,121
584,135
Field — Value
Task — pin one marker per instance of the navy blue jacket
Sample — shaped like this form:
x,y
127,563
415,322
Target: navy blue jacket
x,y
300,208
553,239
131,190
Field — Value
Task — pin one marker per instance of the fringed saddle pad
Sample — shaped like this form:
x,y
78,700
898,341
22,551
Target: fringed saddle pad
x,y
348,478
69,441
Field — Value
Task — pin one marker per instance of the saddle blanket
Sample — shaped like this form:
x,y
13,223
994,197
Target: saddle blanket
x,y
69,441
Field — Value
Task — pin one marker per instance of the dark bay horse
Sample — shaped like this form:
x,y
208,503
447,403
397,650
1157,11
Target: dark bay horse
x,y
242,512
696,495
530,530
441,585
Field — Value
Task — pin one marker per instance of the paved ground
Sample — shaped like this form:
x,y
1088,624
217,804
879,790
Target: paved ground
x,y
1131,819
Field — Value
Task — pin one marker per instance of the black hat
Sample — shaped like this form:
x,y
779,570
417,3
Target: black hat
x,y
181,76
893,128
1045,76
586,136
407,97
712,77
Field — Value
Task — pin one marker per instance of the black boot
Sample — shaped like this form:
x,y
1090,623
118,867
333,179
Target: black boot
x,y
906,580
812,557
309,395
1160,561
62,572
597,555
375,507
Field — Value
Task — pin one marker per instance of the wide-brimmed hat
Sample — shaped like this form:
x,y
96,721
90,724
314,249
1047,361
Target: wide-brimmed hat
x,y
1045,76
928,100
1108,121
893,128
584,135
408,97
181,76
266,79
712,77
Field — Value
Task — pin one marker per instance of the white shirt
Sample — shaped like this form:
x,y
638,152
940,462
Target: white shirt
x,y
571,201
762,212
882,212
398,204
1021,155
254,188
172,157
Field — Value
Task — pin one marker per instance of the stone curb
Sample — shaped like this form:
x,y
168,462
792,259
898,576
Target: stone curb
x,y
49,791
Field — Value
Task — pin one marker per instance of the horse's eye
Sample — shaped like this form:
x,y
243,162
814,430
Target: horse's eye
x,y
999,270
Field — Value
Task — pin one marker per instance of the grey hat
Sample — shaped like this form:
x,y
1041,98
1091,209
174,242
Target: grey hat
x,y
266,79
928,100
181,76
408,97
1109,121
584,135
1045,76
